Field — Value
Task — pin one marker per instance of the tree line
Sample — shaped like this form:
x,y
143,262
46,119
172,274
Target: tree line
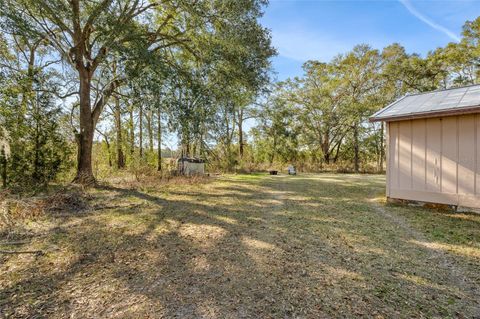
x,y
124,70
109,81
321,118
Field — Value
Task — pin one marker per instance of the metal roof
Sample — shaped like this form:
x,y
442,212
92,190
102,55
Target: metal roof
x,y
191,160
454,101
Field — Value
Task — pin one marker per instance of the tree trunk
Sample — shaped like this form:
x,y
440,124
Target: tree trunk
x,y
36,160
187,148
85,136
27,95
356,148
201,148
159,140
274,148
337,151
107,142
240,133
140,128
149,117
118,124
229,137
326,146
132,132
3,166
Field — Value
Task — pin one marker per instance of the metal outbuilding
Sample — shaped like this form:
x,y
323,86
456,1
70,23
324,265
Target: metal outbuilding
x,y
190,166
433,143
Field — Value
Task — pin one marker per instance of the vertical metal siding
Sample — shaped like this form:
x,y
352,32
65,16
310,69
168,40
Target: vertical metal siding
x,y
435,160
477,154
418,155
405,148
449,155
393,158
466,155
433,155
387,154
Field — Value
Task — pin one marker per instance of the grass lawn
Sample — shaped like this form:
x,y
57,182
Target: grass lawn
x,y
246,246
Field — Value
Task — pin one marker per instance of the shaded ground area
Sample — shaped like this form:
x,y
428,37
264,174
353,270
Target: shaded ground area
x,y
247,246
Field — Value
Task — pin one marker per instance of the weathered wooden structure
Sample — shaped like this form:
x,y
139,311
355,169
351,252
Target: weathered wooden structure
x,y
190,166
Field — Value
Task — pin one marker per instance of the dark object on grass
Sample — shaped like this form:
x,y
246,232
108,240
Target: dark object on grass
x,y
273,172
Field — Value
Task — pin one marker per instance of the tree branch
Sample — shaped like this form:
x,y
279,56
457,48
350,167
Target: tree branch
x,y
99,105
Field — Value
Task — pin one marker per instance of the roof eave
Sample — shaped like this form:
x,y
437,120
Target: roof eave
x,y
388,106
463,111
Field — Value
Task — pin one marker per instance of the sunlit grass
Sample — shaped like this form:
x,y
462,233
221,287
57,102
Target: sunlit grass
x,y
314,245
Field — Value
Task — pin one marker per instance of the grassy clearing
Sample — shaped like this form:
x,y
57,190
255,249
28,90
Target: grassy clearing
x,y
246,246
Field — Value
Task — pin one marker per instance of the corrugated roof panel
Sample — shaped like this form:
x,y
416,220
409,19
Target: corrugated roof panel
x,y
422,104
475,88
448,102
430,101
470,97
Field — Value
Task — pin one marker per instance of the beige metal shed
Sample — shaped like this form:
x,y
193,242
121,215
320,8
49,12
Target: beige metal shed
x,y
434,147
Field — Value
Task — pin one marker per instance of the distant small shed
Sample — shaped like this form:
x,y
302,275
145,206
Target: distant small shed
x,y
433,143
190,166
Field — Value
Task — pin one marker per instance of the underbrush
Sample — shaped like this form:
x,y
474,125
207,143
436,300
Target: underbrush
x,y
341,168
150,178
17,210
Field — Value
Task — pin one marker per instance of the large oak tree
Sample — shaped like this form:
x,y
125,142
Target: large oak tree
x,y
86,33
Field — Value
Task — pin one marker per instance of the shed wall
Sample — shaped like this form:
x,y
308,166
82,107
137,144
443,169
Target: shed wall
x,y
435,160
194,168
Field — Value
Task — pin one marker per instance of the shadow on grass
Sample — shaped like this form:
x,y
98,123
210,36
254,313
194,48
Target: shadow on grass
x,y
291,247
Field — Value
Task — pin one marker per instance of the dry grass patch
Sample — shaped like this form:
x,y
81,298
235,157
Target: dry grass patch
x,y
246,246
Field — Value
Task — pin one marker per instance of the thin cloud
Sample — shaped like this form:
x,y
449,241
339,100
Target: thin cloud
x,y
298,44
426,20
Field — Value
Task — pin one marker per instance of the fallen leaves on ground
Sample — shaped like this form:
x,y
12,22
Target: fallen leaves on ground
x,y
312,246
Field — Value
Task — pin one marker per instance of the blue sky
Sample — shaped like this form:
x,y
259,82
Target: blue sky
x,y
319,29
